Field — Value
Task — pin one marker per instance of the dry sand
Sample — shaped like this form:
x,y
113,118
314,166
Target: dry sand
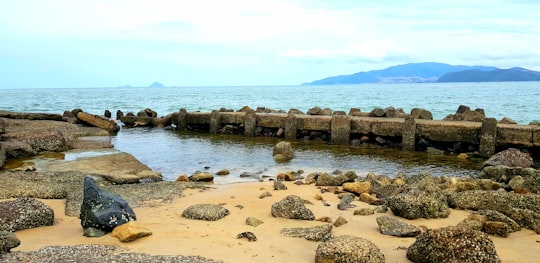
x,y
175,235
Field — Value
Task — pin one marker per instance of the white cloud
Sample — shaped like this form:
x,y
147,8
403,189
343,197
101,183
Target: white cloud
x,y
371,51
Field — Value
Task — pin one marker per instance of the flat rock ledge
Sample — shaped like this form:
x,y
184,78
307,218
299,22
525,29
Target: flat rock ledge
x,y
93,253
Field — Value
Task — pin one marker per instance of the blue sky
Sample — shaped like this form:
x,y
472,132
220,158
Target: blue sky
x,y
108,43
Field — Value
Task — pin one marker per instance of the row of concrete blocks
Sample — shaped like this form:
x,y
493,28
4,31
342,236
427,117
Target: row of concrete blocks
x,y
487,134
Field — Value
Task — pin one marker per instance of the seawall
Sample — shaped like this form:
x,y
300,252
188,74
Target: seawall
x,y
484,137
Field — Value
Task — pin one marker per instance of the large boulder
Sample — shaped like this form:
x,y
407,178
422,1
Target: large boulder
x,y
419,200
452,244
103,210
511,157
24,213
348,249
283,151
292,207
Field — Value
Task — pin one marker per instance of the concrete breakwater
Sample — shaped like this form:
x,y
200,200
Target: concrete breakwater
x,y
410,132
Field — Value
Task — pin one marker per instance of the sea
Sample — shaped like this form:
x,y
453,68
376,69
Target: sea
x,y
173,153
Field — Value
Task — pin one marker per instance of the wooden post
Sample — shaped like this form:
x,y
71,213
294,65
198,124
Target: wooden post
x,y
250,123
182,120
290,127
340,130
488,137
215,121
408,137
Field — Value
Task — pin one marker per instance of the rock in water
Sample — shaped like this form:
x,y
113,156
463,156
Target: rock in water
x,y
283,152
103,210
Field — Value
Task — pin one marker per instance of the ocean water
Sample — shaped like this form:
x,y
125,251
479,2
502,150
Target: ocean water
x,y
173,153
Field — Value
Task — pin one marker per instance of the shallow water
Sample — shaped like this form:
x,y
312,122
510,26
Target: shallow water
x,y
173,153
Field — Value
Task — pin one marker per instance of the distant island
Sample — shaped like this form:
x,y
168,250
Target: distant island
x,y
432,72
156,84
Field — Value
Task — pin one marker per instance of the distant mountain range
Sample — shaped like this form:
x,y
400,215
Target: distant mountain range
x,y
432,72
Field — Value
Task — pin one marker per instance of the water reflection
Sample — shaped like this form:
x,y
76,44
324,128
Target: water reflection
x,y
173,153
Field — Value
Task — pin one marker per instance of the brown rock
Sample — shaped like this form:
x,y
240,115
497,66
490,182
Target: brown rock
x,y
130,231
182,178
357,187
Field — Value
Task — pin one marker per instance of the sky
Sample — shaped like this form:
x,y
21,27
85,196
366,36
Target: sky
x,y
110,43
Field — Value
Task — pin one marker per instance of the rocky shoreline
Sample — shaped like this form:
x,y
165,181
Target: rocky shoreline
x,y
504,200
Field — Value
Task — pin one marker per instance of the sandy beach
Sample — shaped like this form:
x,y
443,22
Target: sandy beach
x,y
175,235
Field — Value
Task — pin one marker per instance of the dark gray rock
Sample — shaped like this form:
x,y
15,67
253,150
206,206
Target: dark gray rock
x,y
420,200
452,244
247,235
208,212
316,233
345,202
511,157
348,249
24,213
103,210
394,227
292,207
8,240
